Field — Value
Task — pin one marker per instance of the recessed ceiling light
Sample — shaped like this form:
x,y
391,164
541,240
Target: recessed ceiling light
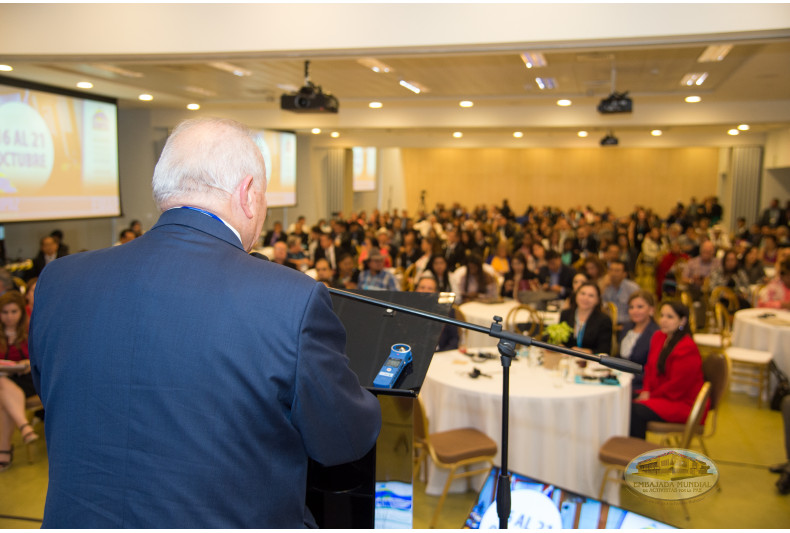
x,y
466,103
6,68
714,52
315,131
410,86
145,97
582,134
733,132
375,65
656,133
743,127
458,134
193,107
693,99
518,134
533,59
546,83
375,105
694,78
334,135
85,85
564,103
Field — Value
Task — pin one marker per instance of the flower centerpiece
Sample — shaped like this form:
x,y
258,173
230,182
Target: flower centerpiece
x,y
557,334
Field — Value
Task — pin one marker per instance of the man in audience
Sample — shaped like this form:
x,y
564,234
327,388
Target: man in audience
x,y
555,276
374,277
774,215
454,252
326,249
275,235
619,289
280,255
698,269
192,393
47,254
324,272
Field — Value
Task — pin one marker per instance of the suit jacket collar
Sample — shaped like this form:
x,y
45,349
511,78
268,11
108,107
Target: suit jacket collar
x,y
199,221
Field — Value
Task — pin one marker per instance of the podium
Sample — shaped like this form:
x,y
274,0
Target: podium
x,y
344,496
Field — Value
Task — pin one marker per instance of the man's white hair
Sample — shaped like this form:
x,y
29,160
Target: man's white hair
x,y
206,157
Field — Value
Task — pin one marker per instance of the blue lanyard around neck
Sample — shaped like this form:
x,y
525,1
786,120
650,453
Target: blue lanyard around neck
x,y
580,336
212,215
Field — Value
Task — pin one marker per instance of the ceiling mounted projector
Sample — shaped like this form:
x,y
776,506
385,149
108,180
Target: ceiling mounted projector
x,y
616,103
609,140
310,98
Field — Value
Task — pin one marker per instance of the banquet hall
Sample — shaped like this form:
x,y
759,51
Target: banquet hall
x,y
452,104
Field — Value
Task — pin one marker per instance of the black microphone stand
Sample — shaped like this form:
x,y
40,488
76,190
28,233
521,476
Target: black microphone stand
x,y
507,351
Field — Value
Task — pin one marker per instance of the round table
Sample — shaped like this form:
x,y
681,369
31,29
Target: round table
x,y
556,427
483,314
763,329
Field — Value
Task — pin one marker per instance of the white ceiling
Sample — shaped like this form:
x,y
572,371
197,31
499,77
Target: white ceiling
x,y
751,85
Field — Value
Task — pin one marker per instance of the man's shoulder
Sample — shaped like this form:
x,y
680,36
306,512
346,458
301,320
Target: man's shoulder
x,y
631,285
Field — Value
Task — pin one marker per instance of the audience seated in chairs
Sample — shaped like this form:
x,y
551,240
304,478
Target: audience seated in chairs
x,y
14,388
673,375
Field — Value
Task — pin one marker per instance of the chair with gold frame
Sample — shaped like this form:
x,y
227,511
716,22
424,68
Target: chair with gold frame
x,y
618,452
533,321
453,450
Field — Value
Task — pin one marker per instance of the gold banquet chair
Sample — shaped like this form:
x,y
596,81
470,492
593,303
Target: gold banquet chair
x,y
716,368
534,321
453,449
617,452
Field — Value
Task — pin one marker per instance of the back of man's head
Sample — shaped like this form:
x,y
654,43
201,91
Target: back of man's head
x,y
206,158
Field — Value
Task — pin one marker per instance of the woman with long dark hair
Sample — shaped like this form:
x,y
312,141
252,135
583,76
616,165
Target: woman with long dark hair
x,y
16,387
673,373
437,268
592,328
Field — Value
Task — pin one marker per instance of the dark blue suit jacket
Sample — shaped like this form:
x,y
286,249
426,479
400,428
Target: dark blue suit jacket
x,y
186,383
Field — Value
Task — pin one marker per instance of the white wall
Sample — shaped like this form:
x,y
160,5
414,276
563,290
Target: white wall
x,y
776,168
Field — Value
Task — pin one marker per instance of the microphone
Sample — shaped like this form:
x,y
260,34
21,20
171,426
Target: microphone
x,y
619,363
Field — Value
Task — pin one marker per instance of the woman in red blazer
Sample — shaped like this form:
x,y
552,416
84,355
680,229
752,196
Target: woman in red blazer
x,y
673,373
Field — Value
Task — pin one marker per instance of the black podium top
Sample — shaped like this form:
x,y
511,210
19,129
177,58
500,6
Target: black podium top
x,y
371,331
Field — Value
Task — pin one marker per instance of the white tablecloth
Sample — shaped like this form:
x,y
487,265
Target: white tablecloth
x,y
771,333
556,427
483,315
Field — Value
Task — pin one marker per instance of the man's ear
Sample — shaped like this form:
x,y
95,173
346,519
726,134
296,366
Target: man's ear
x,y
247,192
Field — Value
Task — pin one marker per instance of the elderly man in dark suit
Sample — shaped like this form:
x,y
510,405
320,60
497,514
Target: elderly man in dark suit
x,y
186,382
